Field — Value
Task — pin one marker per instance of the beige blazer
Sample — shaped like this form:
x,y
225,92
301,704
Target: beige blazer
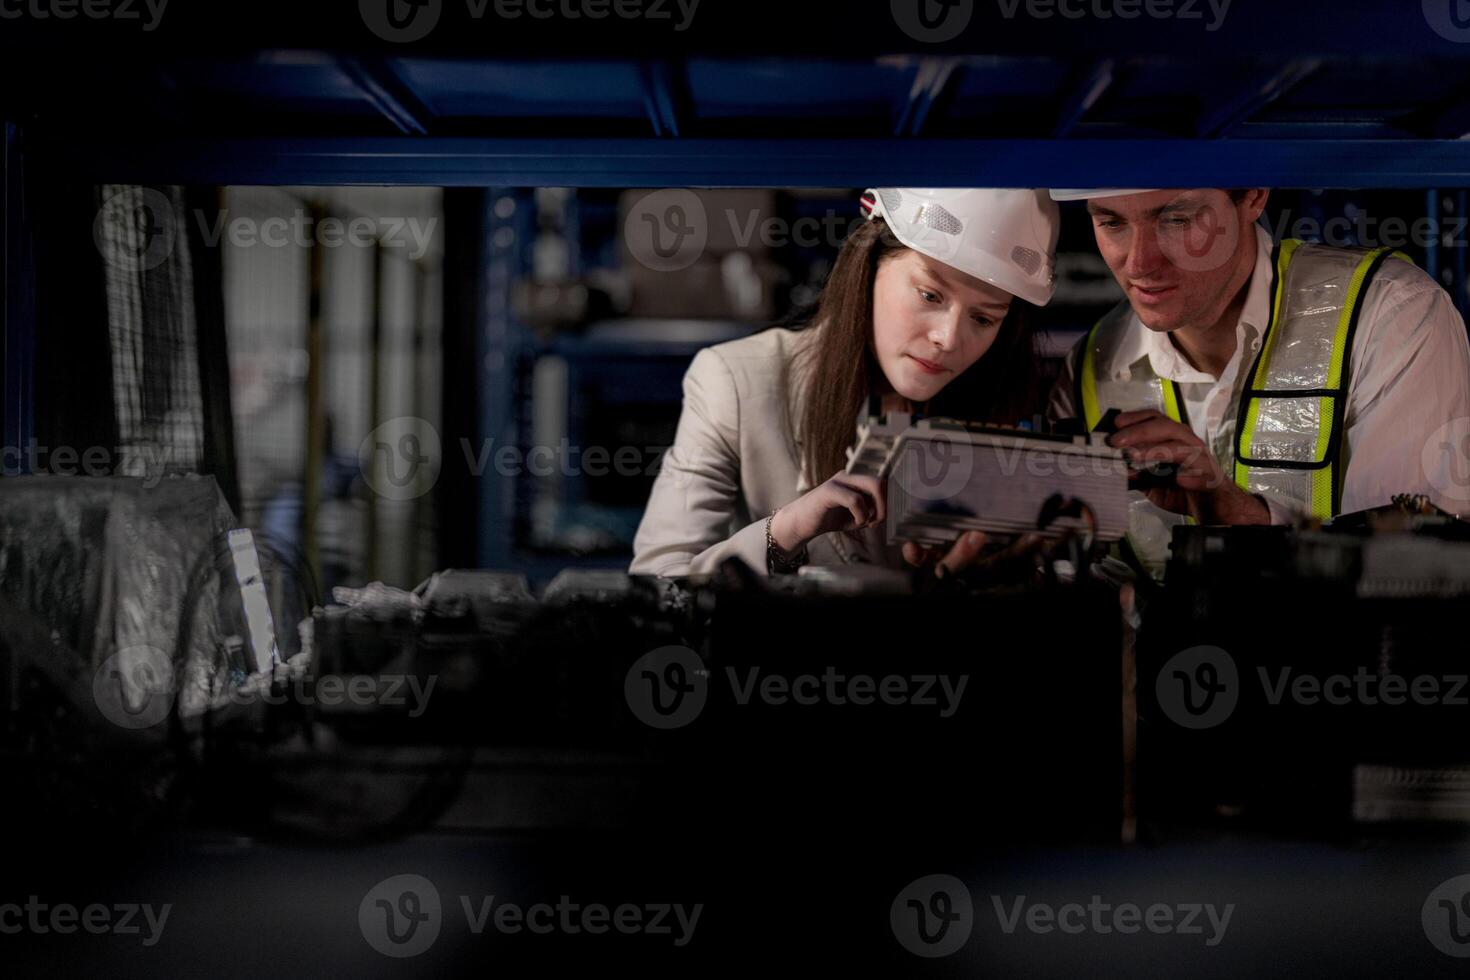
x,y
736,458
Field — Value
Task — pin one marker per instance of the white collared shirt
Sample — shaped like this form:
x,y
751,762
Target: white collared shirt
x,y
1408,408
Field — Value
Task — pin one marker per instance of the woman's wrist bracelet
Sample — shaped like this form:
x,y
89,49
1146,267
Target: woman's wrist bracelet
x,y
778,561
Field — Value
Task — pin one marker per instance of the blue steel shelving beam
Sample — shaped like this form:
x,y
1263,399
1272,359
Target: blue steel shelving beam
x,y
1452,123
652,162
665,96
933,79
1222,116
387,93
1093,84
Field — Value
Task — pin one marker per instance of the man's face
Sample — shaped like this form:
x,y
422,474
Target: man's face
x,y
1181,256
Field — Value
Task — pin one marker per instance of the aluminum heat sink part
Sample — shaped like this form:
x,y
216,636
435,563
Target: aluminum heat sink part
x,y
946,477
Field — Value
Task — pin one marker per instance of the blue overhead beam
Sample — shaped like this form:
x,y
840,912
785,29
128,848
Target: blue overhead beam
x,y
466,162
388,94
1236,107
665,96
1094,82
933,78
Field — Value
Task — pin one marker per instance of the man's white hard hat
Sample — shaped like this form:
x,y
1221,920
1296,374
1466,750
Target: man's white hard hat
x,y
1005,236
1083,193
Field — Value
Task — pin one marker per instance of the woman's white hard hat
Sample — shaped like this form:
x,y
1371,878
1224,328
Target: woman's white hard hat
x,y
1004,236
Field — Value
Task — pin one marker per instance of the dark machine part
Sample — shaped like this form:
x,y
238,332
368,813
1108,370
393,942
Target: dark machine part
x,y
1030,748
93,578
1145,476
1277,672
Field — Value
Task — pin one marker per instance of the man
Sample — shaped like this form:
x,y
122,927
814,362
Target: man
x,y
1283,380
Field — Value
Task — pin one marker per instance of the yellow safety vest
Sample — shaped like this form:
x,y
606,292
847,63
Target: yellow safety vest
x,y
1289,431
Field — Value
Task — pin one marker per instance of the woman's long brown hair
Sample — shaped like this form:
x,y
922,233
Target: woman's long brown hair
x,y
838,370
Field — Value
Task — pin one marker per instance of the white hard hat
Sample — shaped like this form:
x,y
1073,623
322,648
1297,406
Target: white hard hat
x,y
1083,193
1006,237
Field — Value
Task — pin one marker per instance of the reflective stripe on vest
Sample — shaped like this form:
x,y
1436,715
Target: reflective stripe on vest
x,y
1289,432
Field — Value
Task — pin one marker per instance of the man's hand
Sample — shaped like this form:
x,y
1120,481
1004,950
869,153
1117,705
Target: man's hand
x,y
1199,488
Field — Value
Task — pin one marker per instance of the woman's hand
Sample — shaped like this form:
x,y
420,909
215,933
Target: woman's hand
x,y
965,553
844,503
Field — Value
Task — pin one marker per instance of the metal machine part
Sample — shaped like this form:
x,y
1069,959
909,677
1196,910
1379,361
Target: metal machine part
x,y
946,477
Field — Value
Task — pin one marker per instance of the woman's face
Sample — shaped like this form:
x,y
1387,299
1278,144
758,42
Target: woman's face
x,y
931,322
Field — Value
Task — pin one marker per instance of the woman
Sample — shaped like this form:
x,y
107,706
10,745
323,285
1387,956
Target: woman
x,y
925,308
